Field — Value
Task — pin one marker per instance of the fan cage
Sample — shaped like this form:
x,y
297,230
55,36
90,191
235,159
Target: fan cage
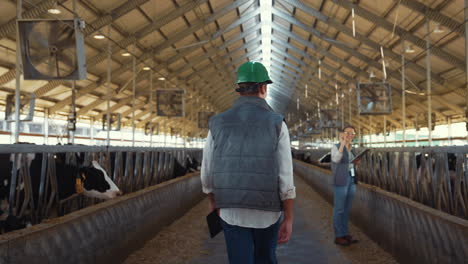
x,y
374,98
69,51
170,102
115,122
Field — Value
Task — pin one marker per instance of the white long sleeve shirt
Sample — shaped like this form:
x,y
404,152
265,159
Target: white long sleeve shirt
x,y
253,218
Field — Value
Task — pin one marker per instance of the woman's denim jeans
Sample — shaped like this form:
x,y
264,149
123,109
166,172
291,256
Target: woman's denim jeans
x,y
342,200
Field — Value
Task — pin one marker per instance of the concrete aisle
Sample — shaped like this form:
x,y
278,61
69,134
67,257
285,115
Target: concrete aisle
x,y
187,240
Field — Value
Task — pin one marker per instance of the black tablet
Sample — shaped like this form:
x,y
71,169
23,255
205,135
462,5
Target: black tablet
x,y
359,156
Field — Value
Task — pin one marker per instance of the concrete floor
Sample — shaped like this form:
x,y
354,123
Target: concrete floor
x,y
186,241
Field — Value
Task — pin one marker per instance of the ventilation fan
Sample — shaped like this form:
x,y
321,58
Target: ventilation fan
x,y
330,118
170,102
114,122
374,98
314,128
26,107
421,120
175,131
52,49
204,118
149,127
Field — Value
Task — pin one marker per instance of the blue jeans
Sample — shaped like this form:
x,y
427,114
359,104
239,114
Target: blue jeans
x,y
251,245
342,199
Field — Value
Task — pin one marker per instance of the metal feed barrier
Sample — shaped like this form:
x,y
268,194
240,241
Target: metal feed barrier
x,y
133,169
434,176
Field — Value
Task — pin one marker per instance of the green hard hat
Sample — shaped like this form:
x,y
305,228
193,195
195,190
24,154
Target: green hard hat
x,y
252,71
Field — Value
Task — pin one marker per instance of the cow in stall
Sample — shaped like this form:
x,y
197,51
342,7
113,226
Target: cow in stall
x,y
92,181
191,165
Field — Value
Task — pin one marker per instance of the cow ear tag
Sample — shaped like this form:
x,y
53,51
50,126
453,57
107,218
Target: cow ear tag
x,y
79,184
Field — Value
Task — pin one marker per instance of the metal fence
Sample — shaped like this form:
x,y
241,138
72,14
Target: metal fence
x,y
434,176
132,169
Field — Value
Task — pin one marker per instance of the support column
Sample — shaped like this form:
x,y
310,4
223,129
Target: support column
x,y
91,130
19,11
416,132
133,95
342,110
359,135
72,117
403,89
349,97
449,127
46,126
428,78
108,84
385,130
151,125
466,69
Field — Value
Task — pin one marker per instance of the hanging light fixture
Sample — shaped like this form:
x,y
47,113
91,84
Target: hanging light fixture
x,y
438,29
99,36
409,49
146,68
54,9
319,70
126,54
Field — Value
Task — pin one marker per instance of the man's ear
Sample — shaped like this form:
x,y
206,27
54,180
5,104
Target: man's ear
x,y
263,89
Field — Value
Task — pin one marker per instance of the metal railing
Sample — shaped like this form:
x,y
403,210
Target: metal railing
x,y
434,176
131,169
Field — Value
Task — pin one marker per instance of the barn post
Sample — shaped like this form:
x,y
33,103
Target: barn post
x,y
428,79
449,124
91,130
466,69
46,126
151,103
72,116
385,130
403,90
133,94
108,82
19,10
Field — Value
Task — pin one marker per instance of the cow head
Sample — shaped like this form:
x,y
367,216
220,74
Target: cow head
x,y
96,182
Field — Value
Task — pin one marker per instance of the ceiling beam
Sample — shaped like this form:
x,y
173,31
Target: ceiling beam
x,y
404,34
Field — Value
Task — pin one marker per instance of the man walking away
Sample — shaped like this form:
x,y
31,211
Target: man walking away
x,y
247,171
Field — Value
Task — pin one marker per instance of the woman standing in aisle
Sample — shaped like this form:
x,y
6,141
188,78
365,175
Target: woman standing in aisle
x,y
344,185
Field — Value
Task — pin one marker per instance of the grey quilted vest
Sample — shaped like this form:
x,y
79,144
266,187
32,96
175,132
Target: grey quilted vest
x,y
340,170
244,167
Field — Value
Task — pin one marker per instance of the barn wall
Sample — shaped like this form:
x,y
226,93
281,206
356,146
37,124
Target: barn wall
x,y
104,233
412,232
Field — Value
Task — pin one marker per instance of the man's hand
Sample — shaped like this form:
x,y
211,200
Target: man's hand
x,y
285,231
212,202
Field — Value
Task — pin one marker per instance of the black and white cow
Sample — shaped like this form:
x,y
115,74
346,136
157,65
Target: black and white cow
x,y
94,183
191,165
